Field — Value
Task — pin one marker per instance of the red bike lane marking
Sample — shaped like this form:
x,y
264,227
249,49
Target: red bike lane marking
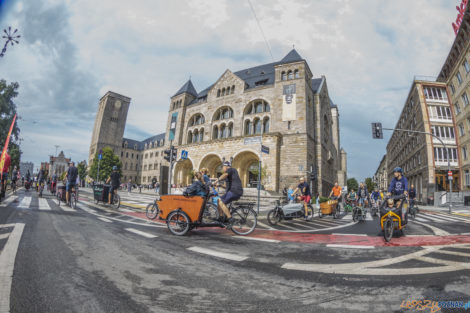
x,y
353,240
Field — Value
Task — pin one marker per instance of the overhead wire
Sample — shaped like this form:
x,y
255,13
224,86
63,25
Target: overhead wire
x,y
261,29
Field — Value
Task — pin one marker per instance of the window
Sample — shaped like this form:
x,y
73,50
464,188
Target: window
x,y
257,126
467,178
464,153
137,157
132,155
465,99
457,108
261,82
248,127
145,167
215,132
266,125
440,154
452,88
223,113
257,106
435,93
461,130
283,76
127,154
197,119
296,74
290,75
233,89
218,93
122,154
467,66
440,113
459,78
444,132
150,167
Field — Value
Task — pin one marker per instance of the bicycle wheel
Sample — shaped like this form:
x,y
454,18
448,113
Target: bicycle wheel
x,y
73,200
310,212
116,201
152,211
245,221
273,217
210,213
355,215
388,229
178,223
337,211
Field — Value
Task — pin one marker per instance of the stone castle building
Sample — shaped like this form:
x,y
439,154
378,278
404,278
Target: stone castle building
x,y
280,105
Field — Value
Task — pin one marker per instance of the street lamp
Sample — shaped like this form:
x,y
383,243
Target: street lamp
x,y
11,38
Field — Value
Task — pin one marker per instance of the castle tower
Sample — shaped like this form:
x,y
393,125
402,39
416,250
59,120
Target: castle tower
x,y
109,124
175,128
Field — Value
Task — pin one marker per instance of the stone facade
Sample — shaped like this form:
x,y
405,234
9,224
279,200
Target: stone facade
x,y
279,104
422,157
381,175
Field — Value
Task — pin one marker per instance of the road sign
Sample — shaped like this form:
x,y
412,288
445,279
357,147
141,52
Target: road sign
x,y
449,173
184,154
251,140
100,156
265,149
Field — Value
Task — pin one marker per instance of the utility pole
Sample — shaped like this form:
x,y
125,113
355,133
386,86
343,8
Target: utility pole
x,y
377,134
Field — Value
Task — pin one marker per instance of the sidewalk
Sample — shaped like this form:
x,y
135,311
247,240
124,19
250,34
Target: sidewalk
x,y
445,209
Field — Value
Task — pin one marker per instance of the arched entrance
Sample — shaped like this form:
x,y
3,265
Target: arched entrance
x,y
183,173
246,163
213,163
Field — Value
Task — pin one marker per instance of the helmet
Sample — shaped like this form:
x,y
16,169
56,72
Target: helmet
x,y
398,169
114,168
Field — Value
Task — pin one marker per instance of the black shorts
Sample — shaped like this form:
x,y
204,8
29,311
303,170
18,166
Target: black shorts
x,y
112,188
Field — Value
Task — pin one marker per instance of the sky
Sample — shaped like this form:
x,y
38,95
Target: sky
x,y
72,51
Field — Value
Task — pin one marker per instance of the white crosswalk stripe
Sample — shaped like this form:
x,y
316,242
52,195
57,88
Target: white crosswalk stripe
x,y
25,203
44,205
8,200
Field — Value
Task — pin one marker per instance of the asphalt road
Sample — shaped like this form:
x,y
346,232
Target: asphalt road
x,y
94,259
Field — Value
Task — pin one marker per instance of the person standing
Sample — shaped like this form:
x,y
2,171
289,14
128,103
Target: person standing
x,y
129,187
71,176
157,187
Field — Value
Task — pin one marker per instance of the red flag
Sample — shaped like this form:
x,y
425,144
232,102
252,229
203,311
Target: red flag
x,y
5,147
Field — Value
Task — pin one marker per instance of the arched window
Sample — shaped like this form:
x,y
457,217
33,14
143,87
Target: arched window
x,y
233,89
223,92
290,75
125,144
127,154
215,132
218,93
266,125
248,127
125,166
283,76
201,135
223,113
197,119
190,137
223,131
257,126
195,136
257,106
230,130
296,74
266,107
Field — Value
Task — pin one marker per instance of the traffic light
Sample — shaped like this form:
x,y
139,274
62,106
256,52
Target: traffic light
x,y
167,153
377,131
174,153
313,173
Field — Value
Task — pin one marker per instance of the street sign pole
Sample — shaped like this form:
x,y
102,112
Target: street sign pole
x,y
259,168
171,167
100,156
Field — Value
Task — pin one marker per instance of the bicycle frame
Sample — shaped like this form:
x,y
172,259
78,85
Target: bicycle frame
x,y
395,218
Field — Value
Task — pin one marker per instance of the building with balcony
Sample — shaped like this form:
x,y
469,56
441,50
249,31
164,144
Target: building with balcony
x,y
456,74
381,175
423,157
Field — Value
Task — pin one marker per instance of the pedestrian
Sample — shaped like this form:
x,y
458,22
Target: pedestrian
x,y
157,187
140,188
129,187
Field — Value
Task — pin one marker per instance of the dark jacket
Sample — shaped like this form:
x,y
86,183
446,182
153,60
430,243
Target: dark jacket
x,y
197,188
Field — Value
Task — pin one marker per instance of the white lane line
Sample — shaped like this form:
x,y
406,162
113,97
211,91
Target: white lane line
x,y
453,253
104,219
264,225
437,218
350,246
141,233
437,231
257,239
8,200
455,218
44,205
3,236
7,225
7,263
339,234
223,255
432,218
347,217
25,203
67,208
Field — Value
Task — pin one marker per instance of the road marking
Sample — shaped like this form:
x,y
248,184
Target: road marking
x,y
264,225
7,263
339,234
257,239
7,225
437,231
44,205
454,253
350,246
137,206
8,200
104,219
138,232
25,203
3,236
223,255
66,208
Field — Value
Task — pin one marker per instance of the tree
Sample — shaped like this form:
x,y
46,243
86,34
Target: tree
x,y
106,164
370,184
7,112
82,172
352,184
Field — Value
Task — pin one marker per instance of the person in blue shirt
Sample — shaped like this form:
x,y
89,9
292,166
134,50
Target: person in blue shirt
x,y
399,185
290,195
198,187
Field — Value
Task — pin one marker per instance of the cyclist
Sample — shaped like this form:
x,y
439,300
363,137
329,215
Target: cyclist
x,y
399,186
233,190
4,170
54,183
28,176
412,195
375,196
336,192
114,178
71,176
305,196
352,196
14,179
41,178
205,176
363,196
198,187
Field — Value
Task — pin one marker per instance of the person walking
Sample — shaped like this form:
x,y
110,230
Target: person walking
x,y
129,187
157,187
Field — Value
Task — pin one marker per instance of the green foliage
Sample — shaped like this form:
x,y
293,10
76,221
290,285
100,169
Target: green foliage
x,y
82,172
322,199
369,184
106,164
7,111
352,184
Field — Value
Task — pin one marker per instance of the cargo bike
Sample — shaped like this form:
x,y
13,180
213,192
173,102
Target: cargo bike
x,y
394,217
330,207
101,193
289,211
184,213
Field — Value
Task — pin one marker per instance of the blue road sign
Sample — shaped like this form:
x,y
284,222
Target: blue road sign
x,y
100,156
184,154
265,149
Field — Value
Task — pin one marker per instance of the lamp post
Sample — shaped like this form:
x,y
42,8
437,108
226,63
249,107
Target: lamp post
x,y
11,38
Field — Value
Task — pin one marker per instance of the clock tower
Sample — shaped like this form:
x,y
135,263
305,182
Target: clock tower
x,y
109,124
